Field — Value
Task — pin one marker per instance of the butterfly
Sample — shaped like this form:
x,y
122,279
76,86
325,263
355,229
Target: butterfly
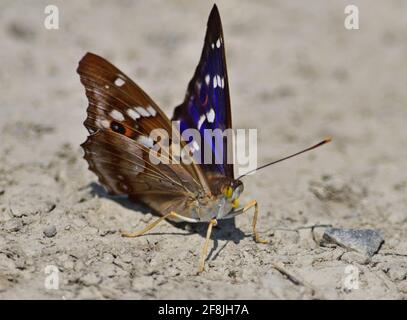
x,y
121,118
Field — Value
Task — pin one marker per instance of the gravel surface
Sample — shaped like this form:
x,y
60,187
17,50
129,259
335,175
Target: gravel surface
x,y
296,74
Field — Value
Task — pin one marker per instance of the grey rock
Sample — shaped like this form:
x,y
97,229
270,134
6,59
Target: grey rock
x,y
50,231
366,241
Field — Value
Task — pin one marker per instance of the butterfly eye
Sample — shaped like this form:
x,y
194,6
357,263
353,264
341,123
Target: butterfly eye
x,y
228,192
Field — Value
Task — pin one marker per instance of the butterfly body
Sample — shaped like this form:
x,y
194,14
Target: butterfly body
x,y
198,206
221,205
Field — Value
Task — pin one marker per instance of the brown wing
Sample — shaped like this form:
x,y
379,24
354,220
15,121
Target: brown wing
x,y
120,119
122,166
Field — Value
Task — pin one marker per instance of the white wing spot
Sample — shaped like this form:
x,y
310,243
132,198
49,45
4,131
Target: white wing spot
x,y
215,82
119,82
201,120
223,82
133,114
219,81
151,110
143,112
213,46
211,116
102,123
207,79
107,86
146,141
117,115
218,43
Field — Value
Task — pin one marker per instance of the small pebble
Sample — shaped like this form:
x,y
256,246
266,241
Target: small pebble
x,y
13,225
50,231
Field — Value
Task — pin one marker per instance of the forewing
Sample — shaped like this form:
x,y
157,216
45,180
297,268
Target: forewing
x,y
120,119
207,102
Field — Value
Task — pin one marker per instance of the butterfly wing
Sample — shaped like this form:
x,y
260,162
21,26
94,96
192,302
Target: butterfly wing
x,y
207,102
122,166
120,118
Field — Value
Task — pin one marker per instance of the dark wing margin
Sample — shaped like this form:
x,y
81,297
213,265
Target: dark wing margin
x,y
207,101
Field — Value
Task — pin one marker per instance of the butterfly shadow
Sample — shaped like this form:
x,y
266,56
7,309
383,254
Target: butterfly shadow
x,y
226,230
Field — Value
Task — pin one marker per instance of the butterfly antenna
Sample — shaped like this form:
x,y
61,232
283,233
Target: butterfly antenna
x,y
327,140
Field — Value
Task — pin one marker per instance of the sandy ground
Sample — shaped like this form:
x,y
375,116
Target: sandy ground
x,y
296,74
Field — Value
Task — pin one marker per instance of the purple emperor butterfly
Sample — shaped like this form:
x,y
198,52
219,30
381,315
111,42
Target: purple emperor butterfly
x,y
120,118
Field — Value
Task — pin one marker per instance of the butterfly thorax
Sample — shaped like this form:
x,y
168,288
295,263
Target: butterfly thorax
x,y
223,200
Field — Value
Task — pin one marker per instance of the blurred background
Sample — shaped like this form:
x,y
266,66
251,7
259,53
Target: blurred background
x,y
296,74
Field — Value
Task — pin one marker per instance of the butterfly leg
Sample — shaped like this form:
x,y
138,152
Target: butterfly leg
x,y
256,212
250,205
152,225
245,209
212,223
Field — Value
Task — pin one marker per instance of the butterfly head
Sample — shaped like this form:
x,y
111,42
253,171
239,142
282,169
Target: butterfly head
x,y
231,191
